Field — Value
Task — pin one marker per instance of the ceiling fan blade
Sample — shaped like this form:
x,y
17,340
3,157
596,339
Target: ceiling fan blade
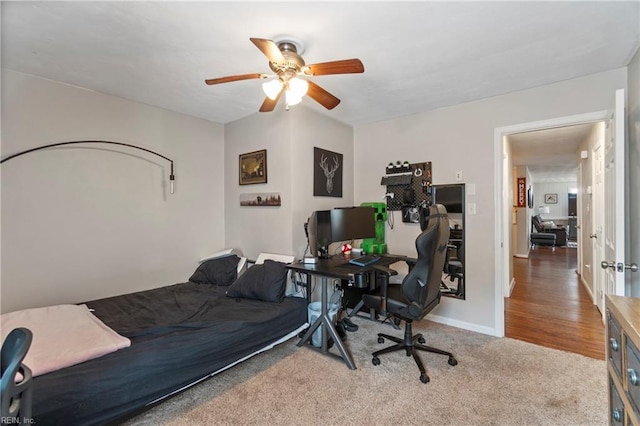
x,y
346,66
233,78
321,96
269,104
269,48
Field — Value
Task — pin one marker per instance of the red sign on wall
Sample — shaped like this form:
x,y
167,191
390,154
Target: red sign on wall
x,y
522,192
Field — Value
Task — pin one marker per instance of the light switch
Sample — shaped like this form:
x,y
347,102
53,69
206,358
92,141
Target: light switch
x,y
458,175
471,208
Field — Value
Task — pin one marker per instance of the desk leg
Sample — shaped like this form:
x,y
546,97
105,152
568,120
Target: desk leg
x,y
328,329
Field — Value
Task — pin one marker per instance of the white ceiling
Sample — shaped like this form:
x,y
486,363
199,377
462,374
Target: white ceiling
x,y
417,55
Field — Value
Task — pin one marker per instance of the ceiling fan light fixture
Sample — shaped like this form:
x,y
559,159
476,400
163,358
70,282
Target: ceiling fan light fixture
x,y
272,88
287,65
298,87
291,98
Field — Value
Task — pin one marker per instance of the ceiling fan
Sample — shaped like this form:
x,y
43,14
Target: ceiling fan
x,y
287,64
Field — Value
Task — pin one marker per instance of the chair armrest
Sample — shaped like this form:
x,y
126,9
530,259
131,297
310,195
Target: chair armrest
x,y
409,260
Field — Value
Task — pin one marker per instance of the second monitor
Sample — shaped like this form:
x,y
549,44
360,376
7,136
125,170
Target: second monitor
x,y
352,223
340,224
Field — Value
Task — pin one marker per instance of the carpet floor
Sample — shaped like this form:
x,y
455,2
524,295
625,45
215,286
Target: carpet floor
x,y
498,381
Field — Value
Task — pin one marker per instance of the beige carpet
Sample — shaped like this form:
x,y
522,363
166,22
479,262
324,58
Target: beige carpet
x,y
496,382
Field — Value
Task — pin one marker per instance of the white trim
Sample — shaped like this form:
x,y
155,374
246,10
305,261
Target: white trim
x,y
462,324
501,267
511,287
521,256
498,267
586,287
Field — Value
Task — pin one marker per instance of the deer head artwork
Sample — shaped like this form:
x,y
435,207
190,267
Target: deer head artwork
x,y
329,172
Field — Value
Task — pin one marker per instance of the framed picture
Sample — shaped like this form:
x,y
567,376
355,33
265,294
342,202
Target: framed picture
x,y
551,198
530,197
268,199
522,185
253,167
327,173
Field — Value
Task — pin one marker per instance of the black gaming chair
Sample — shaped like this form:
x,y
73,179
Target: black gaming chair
x,y
15,396
419,292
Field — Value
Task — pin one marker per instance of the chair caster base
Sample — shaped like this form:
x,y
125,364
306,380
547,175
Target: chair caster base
x,y
452,361
424,378
375,360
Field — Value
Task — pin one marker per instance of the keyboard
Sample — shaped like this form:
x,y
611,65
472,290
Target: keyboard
x,y
364,260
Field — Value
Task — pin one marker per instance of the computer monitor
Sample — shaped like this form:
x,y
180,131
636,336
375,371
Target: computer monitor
x,y
318,229
450,196
352,223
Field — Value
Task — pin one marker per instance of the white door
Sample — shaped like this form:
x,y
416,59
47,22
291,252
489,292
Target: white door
x,y
597,222
613,232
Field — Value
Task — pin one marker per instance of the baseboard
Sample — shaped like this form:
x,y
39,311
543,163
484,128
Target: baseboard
x,y
463,325
512,284
521,256
586,287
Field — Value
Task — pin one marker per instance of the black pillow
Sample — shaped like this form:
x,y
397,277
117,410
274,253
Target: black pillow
x,y
266,282
219,271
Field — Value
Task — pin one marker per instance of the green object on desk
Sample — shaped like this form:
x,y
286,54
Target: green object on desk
x,y
376,245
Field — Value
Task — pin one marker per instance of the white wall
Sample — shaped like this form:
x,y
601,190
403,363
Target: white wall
x,y
259,229
311,129
85,223
289,138
560,210
462,138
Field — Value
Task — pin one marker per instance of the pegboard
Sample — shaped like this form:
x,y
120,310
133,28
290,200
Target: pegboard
x,y
415,188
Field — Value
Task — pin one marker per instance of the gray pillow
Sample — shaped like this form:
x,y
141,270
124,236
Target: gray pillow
x,y
219,271
266,282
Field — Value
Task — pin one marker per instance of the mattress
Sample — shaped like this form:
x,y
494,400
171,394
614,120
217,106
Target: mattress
x,y
179,334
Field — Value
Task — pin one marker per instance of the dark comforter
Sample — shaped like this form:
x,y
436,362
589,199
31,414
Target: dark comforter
x,y
178,333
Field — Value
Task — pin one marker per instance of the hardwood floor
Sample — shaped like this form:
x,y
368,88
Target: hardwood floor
x,y
550,307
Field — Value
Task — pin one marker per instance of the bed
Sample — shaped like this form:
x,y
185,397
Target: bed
x,y
180,334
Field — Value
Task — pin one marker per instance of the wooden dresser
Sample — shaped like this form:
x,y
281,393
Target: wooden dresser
x,y
623,359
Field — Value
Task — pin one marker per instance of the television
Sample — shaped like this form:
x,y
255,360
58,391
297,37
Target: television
x,y
450,196
352,223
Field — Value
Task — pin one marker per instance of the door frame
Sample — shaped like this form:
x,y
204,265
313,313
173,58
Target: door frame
x,y
580,265
502,206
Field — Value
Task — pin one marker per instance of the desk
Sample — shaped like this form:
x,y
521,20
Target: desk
x,y
335,267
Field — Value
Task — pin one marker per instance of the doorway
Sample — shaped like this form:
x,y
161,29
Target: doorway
x,y
504,204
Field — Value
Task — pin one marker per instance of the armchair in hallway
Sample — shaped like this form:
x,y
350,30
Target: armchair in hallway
x,y
542,228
